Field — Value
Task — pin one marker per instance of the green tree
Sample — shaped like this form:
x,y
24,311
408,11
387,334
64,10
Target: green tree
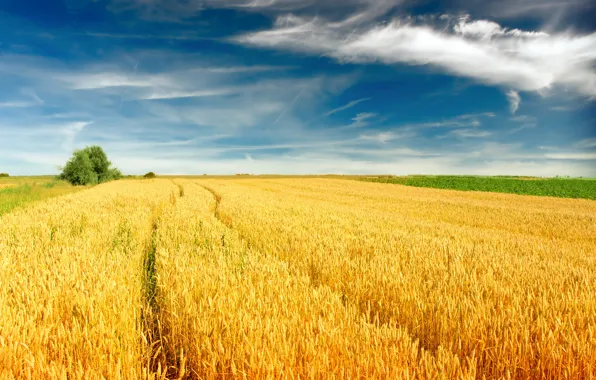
x,y
89,166
115,173
79,169
99,162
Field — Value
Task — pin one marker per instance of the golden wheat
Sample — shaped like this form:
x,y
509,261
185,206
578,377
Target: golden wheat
x,y
297,278
229,311
71,284
504,283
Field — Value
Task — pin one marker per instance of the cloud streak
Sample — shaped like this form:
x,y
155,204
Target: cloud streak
x,y
290,107
70,132
346,106
480,50
514,101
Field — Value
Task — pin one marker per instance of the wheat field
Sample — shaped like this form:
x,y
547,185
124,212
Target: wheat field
x,y
297,278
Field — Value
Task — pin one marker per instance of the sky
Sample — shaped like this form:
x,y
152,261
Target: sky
x,y
497,87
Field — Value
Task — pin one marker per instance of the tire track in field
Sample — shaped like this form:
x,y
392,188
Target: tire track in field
x,y
217,198
370,309
158,362
217,213
150,309
312,269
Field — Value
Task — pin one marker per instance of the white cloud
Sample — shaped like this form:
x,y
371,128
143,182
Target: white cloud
x,y
524,118
362,119
561,108
173,94
484,29
571,156
514,100
245,69
220,114
70,132
192,82
381,137
16,104
587,143
93,81
469,133
178,11
24,104
527,8
522,127
466,120
290,106
480,29
476,115
345,107
132,36
33,95
520,60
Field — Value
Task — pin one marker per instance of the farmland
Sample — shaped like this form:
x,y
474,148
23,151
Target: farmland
x,y
553,187
19,191
297,278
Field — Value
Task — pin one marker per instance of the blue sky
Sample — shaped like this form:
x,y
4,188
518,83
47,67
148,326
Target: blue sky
x,y
301,87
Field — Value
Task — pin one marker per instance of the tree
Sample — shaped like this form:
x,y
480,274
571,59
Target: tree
x,y
99,162
150,175
89,166
79,169
4,175
115,174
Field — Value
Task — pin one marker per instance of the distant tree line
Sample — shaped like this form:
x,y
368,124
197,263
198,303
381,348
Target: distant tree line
x,y
89,166
4,175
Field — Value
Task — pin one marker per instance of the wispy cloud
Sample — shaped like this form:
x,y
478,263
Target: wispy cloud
x,y
361,120
194,82
70,132
132,36
568,108
290,106
547,147
481,50
246,69
587,143
561,108
543,9
164,94
16,104
94,81
346,106
466,120
178,11
523,118
384,137
514,101
476,115
33,101
522,127
467,133
571,156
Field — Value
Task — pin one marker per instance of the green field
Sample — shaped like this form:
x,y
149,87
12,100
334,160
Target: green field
x,y
553,187
19,191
